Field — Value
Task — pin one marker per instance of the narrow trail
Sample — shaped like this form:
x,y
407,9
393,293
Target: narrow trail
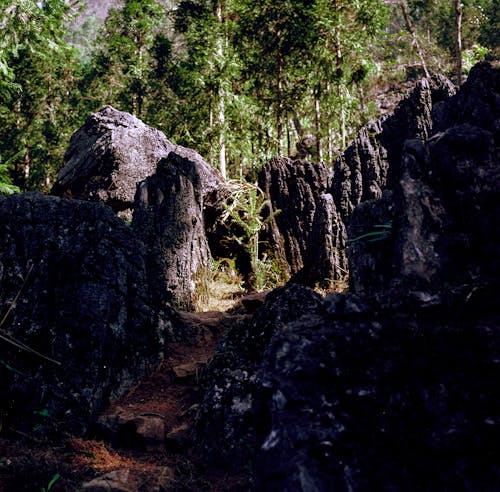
x,y
142,442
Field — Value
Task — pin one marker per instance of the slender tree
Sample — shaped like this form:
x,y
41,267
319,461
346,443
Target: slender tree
x,y
39,90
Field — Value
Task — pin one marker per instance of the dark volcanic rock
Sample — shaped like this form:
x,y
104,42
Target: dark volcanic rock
x,y
233,417
75,279
168,218
293,188
382,402
372,162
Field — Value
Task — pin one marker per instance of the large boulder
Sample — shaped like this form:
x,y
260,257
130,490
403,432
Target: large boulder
x,y
108,156
168,218
79,325
114,151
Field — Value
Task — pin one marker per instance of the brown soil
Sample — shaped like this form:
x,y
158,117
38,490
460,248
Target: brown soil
x,y
171,393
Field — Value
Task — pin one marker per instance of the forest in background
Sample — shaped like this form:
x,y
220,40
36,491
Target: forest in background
x,y
238,80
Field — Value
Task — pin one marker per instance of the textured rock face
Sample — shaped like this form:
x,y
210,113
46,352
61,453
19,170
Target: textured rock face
x,y
394,385
293,187
83,301
326,260
112,153
168,218
108,156
372,163
366,401
233,416
442,214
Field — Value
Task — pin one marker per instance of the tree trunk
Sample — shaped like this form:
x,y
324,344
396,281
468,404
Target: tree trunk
x,y
458,41
279,95
411,30
317,110
221,96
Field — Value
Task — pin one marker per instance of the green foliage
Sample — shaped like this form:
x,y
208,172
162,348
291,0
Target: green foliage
x,y
37,97
239,80
246,208
380,232
51,484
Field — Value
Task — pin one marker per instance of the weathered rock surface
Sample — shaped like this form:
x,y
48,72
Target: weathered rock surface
x,y
372,162
388,401
108,156
74,278
114,151
230,418
437,225
293,188
325,263
168,218
394,385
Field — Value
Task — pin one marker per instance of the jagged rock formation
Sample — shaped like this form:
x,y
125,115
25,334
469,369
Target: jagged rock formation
x,y
74,278
293,188
372,162
114,151
367,400
168,218
394,385
325,263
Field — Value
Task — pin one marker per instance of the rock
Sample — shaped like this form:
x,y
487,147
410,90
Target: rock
x,y
251,302
108,156
392,386
114,151
76,280
430,241
293,188
126,480
381,402
325,265
168,218
188,371
371,163
126,427
179,437
230,419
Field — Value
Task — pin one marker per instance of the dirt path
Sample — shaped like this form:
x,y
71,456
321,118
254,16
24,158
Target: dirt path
x,y
142,443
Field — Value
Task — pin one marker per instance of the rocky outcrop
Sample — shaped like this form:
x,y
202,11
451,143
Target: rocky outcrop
x,y
230,419
293,188
168,218
433,231
361,400
372,162
325,264
392,386
74,289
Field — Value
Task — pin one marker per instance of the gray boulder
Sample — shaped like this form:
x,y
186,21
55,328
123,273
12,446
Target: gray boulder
x,y
108,156
114,151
